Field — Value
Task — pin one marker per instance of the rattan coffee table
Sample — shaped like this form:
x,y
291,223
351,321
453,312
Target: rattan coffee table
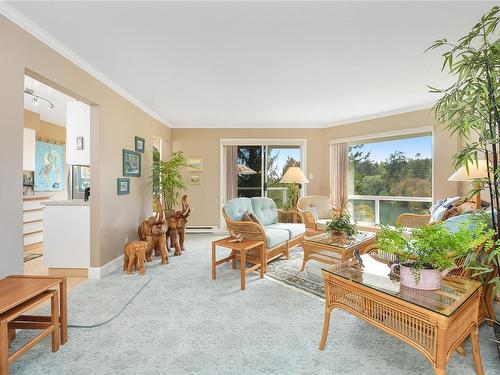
x,y
330,249
433,322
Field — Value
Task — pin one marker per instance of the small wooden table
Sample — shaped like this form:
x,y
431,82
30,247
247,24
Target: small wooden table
x,y
330,249
239,250
62,284
19,295
433,322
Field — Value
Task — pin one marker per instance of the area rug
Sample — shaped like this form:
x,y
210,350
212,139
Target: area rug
x,y
288,272
31,256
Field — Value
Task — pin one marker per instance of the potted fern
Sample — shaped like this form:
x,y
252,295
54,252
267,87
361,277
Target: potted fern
x,y
428,253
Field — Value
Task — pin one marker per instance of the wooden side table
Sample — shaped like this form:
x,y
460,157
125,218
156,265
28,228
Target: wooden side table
x,y
18,296
62,285
239,250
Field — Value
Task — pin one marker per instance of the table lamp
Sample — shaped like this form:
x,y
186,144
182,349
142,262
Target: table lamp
x,y
479,170
295,176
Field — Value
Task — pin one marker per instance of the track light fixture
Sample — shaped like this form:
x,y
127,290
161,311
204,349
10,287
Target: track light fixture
x,y
36,98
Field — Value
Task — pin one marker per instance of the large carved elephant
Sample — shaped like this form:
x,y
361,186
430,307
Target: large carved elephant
x,y
153,231
177,227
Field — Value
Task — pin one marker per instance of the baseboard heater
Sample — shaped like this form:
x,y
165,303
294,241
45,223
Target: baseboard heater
x,y
201,229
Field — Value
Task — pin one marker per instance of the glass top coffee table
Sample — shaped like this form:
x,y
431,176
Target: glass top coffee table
x,y
330,249
434,322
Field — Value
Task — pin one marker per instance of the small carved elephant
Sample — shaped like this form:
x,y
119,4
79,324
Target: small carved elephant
x,y
134,256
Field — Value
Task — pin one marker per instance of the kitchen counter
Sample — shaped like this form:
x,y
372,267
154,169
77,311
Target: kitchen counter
x,y
68,202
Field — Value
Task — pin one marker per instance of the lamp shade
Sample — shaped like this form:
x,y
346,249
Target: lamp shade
x,y
479,170
294,175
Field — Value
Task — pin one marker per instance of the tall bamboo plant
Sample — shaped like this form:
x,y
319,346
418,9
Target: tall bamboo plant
x,y
167,178
470,108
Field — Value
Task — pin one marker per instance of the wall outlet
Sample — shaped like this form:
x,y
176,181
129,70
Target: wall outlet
x,y
126,239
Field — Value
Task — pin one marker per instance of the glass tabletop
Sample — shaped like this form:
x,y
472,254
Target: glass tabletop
x,y
377,275
340,241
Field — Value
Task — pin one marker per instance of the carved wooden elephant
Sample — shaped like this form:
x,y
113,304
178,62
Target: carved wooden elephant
x,y
177,227
153,231
134,256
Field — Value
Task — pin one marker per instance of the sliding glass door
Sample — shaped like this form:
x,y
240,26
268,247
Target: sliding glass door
x,y
261,167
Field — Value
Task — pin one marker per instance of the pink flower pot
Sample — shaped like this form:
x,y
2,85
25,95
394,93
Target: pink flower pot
x,y
424,279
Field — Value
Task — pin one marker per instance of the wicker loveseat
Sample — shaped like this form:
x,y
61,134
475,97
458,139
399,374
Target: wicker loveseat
x,y
278,238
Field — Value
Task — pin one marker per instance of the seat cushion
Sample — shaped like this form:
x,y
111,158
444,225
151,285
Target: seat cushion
x,y
453,224
275,237
321,223
293,230
235,208
265,209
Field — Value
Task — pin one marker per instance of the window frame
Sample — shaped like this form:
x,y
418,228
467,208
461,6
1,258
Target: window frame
x,y
380,137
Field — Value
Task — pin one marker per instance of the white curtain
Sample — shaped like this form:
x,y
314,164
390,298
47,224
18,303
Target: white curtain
x,y
339,163
231,172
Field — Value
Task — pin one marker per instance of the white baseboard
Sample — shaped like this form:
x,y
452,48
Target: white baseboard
x,y
99,272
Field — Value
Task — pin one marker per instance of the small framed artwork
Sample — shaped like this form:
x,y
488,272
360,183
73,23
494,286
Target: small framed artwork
x,y
195,179
140,144
131,163
123,186
195,164
79,143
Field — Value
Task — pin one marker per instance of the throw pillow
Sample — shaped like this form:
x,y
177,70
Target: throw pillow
x,y
254,218
247,216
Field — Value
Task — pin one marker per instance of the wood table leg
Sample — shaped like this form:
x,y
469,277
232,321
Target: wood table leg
x,y
474,339
4,349
214,275
242,269
233,261
262,267
63,309
304,260
326,327
54,319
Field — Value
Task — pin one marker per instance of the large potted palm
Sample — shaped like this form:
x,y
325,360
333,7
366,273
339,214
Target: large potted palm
x,y
470,108
167,179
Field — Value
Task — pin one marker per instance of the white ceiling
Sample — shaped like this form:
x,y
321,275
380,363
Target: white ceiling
x,y
58,114
256,64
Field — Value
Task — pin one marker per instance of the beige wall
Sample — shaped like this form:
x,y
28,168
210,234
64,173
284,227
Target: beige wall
x,y
205,143
116,122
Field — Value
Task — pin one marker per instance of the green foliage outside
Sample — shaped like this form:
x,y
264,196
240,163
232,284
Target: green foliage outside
x,y
397,175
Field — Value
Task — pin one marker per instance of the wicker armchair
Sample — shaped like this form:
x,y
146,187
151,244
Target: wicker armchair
x,y
413,220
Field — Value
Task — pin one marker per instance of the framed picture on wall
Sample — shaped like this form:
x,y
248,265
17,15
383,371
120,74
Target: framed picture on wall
x,y
140,144
195,164
123,186
195,179
131,163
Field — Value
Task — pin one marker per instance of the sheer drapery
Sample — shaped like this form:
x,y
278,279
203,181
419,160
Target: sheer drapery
x,y
339,163
232,172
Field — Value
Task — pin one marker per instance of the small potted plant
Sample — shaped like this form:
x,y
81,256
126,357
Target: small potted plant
x,y
342,224
428,253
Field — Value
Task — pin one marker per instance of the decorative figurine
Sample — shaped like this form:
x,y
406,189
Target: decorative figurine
x,y
153,231
134,256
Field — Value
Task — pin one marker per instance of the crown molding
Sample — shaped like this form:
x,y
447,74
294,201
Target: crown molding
x,y
374,116
26,24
